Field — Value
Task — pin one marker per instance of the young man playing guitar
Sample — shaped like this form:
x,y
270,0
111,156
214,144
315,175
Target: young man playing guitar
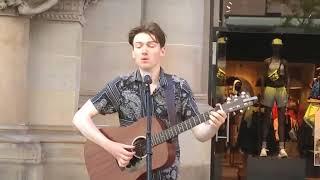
x,y
125,95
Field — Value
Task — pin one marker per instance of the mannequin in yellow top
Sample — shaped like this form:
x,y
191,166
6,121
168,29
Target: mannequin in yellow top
x,y
275,83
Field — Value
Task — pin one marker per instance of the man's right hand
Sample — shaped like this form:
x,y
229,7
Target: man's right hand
x,y
83,121
121,152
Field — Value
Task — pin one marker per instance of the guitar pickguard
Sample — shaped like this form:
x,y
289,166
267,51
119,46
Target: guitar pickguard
x,y
135,164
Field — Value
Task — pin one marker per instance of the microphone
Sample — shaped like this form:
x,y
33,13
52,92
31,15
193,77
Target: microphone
x,y
147,79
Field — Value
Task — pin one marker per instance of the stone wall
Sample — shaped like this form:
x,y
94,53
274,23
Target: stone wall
x,y
52,63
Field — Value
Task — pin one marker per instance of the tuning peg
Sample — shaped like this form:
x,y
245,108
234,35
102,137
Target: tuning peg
x,y
235,98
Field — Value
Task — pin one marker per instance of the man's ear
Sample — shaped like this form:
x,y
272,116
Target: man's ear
x,y
163,51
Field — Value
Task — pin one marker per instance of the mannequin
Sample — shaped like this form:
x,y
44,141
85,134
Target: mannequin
x,y
234,89
237,84
275,83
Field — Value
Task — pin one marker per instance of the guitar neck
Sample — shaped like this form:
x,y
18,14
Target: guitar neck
x,y
234,104
179,128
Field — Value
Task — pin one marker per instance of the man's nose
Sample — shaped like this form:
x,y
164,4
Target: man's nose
x,y
144,49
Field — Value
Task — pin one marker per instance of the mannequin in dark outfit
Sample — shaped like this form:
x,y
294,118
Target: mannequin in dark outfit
x,y
274,89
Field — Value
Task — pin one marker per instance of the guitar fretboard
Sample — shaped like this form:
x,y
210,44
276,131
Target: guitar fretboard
x,y
179,128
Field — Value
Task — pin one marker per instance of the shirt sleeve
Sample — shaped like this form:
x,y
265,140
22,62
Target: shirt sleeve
x,y
106,101
189,106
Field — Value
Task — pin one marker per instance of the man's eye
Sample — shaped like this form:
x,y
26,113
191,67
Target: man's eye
x,y
138,45
152,45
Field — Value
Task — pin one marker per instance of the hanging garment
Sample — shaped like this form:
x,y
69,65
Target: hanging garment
x,y
315,90
309,116
275,121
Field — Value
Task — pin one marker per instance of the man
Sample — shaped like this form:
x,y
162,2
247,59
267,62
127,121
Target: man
x,y
125,95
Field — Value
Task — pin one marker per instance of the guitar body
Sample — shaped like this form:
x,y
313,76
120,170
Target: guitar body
x,y
103,166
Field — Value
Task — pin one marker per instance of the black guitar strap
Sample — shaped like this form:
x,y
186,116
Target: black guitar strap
x,y
169,93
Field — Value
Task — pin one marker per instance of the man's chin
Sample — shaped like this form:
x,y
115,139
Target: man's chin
x,y
145,67
148,67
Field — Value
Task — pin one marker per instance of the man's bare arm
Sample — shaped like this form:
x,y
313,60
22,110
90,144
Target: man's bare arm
x,y
83,121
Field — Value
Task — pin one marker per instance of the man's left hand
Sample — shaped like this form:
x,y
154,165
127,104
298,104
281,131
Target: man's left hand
x,y
217,118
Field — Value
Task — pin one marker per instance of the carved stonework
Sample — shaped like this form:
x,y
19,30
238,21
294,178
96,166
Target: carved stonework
x,y
25,7
67,10
54,10
9,12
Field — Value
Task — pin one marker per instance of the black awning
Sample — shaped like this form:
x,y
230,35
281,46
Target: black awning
x,y
255,45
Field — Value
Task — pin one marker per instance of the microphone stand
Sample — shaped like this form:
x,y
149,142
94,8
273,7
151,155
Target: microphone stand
x,y
148,81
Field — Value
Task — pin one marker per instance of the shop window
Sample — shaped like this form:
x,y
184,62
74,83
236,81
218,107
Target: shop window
x,y
286,79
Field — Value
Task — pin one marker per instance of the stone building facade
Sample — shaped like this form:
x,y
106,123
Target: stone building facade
x,y
57,54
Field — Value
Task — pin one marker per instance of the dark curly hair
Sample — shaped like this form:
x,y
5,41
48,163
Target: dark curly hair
x,y
151,28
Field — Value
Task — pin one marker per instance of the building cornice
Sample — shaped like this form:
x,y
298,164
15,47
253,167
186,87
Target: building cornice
x,y
65,11
51,10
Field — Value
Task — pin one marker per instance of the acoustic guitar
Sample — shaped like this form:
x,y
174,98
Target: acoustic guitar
x,y
103,166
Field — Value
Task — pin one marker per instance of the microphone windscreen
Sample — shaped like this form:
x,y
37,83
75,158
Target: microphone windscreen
x,y
147,79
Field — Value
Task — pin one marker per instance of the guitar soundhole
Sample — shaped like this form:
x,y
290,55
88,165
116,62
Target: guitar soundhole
x,y
140,147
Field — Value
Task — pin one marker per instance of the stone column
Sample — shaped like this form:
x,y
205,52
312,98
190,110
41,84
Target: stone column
x,y
14,50
14,43
39,86
55,58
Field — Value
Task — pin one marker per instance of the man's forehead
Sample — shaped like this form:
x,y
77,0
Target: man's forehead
x,y
144,37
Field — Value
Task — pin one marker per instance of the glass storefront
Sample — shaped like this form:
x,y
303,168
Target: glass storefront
x,y
269,51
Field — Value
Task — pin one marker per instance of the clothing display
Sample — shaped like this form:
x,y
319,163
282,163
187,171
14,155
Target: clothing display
x,y
272,94
282,123
315,90
309,116
314,97
275,81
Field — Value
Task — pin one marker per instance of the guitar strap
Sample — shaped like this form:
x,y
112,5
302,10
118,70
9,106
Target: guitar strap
x,y
171,109
170,97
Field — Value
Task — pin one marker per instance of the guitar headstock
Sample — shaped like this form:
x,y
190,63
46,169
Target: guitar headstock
x,y
235,103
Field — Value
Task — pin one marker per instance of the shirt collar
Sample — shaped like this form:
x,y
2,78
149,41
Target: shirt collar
x,y
136,76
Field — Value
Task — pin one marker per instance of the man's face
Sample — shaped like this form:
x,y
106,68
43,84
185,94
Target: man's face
x,y
147,52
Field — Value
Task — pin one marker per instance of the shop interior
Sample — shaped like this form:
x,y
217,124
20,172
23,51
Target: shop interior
x,y
240,66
